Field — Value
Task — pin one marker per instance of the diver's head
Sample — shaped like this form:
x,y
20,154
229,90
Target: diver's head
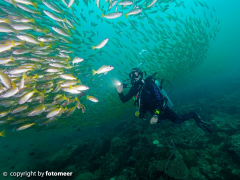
x,y
136,75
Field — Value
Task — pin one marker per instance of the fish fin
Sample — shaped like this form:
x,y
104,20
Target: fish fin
x,y
35,5
45,31
32,21
11,58
50,46
93,72
79,81
13,85
35,77
2,133
126,15
87,96
35,90
12,42
23,43
7,21
41,44
93,47
70,87
102,15
14,3
24,76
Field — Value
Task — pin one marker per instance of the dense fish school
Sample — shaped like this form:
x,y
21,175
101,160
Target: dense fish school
x,y
49,50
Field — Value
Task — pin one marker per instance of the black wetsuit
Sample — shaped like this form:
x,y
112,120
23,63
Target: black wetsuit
x,y
152,99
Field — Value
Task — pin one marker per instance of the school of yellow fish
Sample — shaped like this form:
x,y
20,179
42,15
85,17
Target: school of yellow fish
x,y
40,67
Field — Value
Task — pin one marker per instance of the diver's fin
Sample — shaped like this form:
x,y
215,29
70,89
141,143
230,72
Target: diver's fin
x,y
204,126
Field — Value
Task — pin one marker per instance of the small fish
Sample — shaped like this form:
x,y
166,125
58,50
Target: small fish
x,y
104,69
5,80
77,60
133,12
38,110
112,15
67,76
54,16
92,98
70,3
25,126
19,109
125,3
27,96
152,3
80,87
101,45
54,112
11,92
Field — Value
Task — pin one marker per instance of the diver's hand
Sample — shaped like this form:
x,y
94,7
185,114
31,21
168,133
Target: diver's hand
x,y
120,88
154,119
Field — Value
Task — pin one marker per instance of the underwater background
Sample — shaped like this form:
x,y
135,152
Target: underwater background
x,y
107,141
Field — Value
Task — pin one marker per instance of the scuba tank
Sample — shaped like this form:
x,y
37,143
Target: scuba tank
x,y
169,102
159,85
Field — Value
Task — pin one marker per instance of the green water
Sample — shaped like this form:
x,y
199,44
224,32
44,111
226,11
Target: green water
x,y
108,141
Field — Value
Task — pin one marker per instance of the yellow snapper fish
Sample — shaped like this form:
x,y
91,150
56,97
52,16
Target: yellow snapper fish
x,y
101,45
68,83
26,8
67,76
92,98
54,112
77,60
4,113
61,31
21,26
38,110
54,16
52,6
112,15
79,87
25,126
70,3
71,111
6,60
27,96
6,29
104,69
5,80
27,2
125,3
70,90
19,70
19,109
152,3
5,47
133,12
14,90
58,114
29,38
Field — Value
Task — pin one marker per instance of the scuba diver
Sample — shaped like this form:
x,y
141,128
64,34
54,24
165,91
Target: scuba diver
x,y
151,97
